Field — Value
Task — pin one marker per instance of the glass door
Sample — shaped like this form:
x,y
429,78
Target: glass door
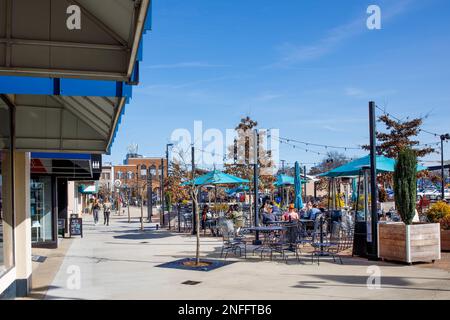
x,y
41,210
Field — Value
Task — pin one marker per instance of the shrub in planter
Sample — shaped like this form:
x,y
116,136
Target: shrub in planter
x,y
440,213
408,242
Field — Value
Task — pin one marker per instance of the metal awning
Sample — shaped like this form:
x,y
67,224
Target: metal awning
x,y
70,166
65,115
36,41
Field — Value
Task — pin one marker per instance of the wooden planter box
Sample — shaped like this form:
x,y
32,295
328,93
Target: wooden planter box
x,y
414,243
445,240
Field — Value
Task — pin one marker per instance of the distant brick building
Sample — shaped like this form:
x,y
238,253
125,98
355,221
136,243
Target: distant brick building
x,y
128,174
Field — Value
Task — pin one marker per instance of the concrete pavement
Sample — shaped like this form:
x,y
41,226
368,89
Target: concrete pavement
x,y
118,262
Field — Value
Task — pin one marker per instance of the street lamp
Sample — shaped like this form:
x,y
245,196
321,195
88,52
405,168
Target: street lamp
x,y
167,164
444,137
128,176
141,172
151,173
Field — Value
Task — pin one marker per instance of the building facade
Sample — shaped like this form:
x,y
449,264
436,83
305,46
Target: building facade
x,y
57,96
133,177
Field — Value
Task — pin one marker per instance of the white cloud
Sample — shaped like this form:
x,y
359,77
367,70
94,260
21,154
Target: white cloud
x,y
292,53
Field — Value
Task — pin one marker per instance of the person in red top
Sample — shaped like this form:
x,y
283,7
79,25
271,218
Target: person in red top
x,y
291,214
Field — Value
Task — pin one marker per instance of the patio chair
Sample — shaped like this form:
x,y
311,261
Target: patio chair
x,y
327,246
286,242
231,243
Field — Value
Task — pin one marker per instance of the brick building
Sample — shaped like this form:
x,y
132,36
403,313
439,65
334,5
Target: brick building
x,y
128,174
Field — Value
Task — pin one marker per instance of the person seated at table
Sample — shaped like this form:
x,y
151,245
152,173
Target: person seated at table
x,y
207,219
237,216
275,209
268,216
291,214
314,212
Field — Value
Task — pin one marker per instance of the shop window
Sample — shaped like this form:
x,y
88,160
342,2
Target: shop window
x,y
41,210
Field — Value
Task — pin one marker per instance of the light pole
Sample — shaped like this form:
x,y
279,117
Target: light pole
x,y
444,137
151,173
167,164
128,195
162,192
141,171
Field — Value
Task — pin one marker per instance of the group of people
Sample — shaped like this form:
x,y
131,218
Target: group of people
x,y
270,213
97,206
233,214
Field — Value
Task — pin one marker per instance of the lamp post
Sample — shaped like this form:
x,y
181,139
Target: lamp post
x,y
162,192
141,171
444,137
151,173
167,164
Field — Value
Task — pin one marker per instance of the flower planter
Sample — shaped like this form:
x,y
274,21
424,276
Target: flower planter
x,y
445,240
413,243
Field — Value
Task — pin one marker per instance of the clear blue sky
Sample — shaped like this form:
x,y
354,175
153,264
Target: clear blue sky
x,y
307,67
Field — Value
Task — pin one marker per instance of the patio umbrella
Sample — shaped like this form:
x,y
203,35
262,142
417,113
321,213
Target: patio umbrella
x,y
240,188
298,187
354,168
284,180
354,190
216,177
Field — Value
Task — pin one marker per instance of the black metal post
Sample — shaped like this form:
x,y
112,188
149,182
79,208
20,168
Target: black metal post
x,y
149,195
306,184
373,252
162,193
194,209
442,169
255,186
167,164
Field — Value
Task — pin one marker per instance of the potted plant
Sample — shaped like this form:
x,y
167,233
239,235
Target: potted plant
x,y
407,241
440,213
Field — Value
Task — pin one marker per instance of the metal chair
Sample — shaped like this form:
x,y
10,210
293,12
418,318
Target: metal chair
x,y
230,242
286,242
324,246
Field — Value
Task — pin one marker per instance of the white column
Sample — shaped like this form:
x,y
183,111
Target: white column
x,y
22,232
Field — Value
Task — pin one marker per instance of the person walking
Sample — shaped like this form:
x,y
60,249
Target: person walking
x,y
106,211
95,210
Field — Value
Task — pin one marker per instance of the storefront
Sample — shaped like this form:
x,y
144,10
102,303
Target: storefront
x,y
60,91
49,198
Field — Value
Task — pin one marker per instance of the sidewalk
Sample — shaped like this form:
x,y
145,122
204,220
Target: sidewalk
x,y
118,262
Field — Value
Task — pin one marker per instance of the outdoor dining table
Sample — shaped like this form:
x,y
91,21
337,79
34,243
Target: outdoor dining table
x,y
279,222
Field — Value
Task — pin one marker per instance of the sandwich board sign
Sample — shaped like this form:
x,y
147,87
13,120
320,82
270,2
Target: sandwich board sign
x,y
76,227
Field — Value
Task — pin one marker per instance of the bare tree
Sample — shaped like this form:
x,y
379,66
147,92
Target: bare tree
x,y
184,168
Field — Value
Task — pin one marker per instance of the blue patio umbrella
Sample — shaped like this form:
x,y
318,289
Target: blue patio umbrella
x,y
298,187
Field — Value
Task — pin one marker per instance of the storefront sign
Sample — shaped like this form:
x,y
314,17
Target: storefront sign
x,y
76,227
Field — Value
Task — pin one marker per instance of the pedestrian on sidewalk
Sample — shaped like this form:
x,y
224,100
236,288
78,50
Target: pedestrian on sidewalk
x,y
95,210
106,211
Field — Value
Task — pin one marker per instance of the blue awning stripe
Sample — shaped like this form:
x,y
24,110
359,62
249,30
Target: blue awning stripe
x,y
63,156
64,87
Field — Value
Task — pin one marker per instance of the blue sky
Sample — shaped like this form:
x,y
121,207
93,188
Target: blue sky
x,y
306,67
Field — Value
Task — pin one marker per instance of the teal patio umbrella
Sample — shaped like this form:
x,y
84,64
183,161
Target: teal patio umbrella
x,y
216,177
240,188
298,187
354,190
355,167
284,180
